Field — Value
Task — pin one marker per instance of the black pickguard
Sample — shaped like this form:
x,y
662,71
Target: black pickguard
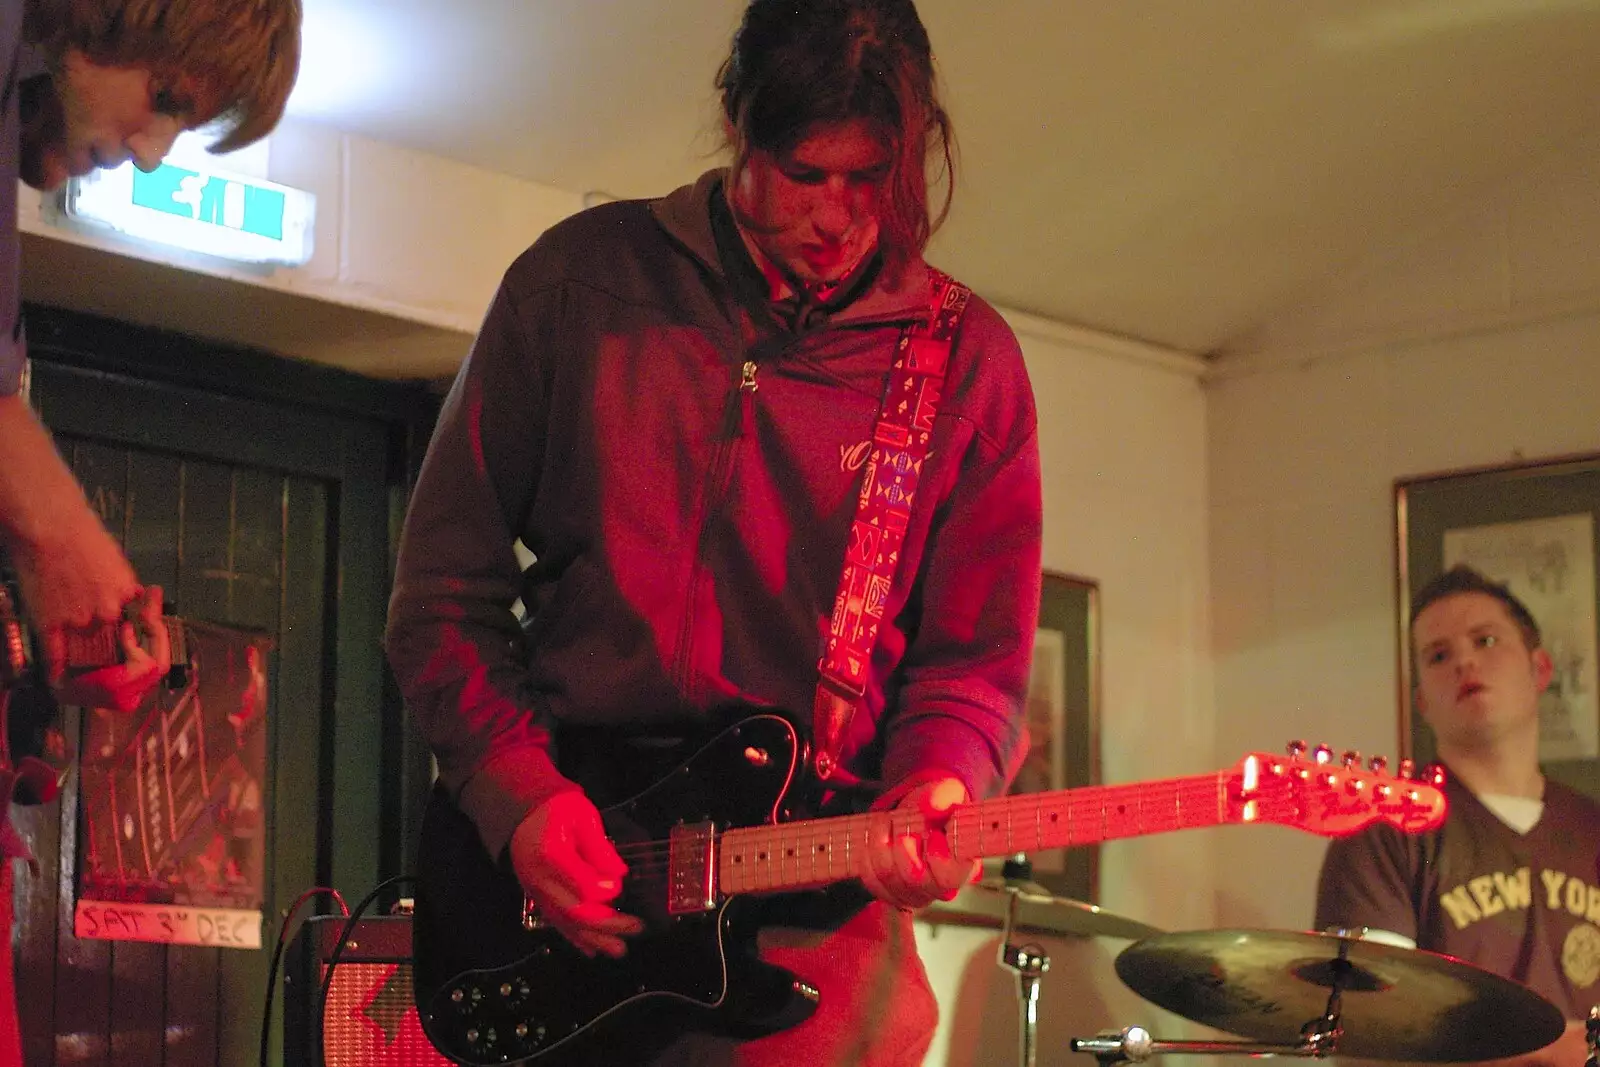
x,y
489,991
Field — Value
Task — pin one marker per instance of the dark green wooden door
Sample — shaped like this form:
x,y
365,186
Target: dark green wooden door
x,y
251,512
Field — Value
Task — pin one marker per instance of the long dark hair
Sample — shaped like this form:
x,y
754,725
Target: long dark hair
x,y
796,64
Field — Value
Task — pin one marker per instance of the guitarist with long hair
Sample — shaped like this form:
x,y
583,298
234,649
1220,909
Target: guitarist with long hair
x,y
674,405
88,84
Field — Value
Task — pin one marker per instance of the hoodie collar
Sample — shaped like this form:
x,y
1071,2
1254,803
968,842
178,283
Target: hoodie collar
x,y
685,213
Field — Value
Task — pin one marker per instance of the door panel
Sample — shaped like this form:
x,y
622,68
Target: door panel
x,y
269,515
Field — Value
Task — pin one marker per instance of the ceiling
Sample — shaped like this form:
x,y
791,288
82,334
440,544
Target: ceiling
x,y
1176,171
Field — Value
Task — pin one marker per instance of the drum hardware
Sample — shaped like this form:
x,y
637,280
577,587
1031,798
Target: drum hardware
x,y
1592,1032
1051,914
1360,998
1033,908
1028,962
1133,1044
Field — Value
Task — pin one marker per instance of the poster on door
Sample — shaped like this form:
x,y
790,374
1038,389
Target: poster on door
x,y
171,845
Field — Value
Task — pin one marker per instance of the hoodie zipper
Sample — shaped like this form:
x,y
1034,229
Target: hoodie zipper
x,y
738,422
747,391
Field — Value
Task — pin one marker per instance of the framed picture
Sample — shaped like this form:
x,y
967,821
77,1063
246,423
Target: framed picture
x,y
1063,714
1532,526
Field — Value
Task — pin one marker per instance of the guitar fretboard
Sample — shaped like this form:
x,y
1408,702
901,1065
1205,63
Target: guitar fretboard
x,y
818,852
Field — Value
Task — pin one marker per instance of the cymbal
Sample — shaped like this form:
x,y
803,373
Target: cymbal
x,y
1038,911
1395,1003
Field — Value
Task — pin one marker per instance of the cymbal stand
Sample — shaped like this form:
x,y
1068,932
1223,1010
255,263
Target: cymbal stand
x,y
1029,962
1319,1037
1133,1044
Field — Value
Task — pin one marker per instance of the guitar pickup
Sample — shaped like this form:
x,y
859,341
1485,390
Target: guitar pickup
x,y
691,869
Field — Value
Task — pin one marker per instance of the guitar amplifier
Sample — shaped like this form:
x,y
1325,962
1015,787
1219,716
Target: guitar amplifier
x,y
369,1018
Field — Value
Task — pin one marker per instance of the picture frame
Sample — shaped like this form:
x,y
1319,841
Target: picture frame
x,y
1063,712
1531,524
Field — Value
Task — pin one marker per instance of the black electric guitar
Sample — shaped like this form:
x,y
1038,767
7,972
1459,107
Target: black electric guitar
x,y
30,762
493,986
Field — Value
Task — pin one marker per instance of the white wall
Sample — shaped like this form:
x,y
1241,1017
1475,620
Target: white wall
x,y
1304,456
1123,443
408,251
1473,342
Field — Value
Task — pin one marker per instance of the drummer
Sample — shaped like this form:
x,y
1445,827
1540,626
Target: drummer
x,y
1510,882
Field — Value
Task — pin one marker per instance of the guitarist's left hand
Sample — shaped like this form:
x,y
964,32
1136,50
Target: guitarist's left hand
x,y
912,870
121,687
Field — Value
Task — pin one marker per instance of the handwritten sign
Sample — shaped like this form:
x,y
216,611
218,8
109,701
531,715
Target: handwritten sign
x,y
168,924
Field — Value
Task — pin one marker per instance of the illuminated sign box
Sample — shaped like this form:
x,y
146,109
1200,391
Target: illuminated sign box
x,y
217,214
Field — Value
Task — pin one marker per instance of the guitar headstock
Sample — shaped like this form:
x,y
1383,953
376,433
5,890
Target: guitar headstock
x,y
1321,795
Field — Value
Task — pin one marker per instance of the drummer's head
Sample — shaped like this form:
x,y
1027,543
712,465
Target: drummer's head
x,y
1477,657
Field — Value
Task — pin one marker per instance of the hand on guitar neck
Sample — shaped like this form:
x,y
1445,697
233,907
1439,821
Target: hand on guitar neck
x,y
112,665
103,665
909,863
99,634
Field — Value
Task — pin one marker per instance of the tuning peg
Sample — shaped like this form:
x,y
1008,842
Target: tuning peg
x,y
1377,764
1296,749
1434,775
1352,759
1408,768
1322,754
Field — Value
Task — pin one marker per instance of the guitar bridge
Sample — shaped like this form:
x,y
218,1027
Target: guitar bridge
x,y
691,869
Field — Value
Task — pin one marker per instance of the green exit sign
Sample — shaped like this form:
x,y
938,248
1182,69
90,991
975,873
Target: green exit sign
x,y
211,198
227,215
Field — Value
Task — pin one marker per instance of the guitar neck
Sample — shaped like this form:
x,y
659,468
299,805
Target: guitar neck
x,y
817,852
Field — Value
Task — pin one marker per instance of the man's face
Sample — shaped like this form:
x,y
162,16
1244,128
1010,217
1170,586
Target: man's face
x,y
1477,680
813,210
93,116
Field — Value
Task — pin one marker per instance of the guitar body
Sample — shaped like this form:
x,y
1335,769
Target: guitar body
x,y
490,991
716,832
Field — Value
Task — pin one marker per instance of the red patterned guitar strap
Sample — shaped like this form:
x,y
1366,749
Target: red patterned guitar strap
x,y
899,446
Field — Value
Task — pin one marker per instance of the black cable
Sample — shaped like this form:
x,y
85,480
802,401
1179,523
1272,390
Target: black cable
x,y
277,955
338,948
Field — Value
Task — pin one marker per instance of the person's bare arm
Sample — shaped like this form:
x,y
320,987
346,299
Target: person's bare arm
x,y
72,573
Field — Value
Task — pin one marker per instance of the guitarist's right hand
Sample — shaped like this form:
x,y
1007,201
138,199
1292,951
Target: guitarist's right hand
x,y
572,873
